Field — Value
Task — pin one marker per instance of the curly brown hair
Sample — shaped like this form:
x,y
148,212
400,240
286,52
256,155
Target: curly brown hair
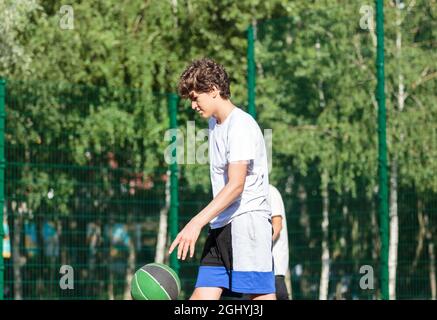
x,y
202,76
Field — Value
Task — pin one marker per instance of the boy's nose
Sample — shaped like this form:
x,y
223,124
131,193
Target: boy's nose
x,y
193,105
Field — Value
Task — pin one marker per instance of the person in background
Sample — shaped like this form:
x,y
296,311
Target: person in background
x,y
280,242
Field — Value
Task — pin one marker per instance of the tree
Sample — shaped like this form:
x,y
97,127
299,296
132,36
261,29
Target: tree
x,y
15,17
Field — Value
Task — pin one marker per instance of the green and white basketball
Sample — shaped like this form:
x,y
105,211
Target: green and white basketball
x,y
155,281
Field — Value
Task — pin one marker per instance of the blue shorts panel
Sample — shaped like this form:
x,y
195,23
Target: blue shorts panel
x,y
253,282
212,277
248,282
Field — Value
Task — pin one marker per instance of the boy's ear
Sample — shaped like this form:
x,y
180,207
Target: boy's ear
x,y
215,92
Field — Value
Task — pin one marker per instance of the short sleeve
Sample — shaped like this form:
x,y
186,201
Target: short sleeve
x,y
242,142
276,203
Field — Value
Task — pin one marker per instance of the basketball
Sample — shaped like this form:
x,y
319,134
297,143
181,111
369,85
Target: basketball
x,y
155,281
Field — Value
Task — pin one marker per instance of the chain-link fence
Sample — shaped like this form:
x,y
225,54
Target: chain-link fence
x,y
315,88
85,187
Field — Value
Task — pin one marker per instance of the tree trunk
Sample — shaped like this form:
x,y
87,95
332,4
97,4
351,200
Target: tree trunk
x,y
324,276
288,283
289,189
374,231
110,266
431,254
432,272
394,222
62,248
338,291
163,219
421,236
16,257
130,270
346,227
357,245
394,230
304,218
94,242
111,286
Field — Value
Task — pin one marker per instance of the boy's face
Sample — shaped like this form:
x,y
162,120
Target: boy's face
x,y
204,103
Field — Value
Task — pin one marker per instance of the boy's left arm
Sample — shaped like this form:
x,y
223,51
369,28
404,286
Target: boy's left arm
x,y
186,239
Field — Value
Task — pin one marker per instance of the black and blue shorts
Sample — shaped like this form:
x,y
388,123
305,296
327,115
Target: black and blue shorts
x,y
238,257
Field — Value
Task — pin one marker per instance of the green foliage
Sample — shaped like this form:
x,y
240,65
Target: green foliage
x,y
68,106
15,18
115,128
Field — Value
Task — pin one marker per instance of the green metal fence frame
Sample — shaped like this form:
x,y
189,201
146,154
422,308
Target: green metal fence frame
x,y
2,180
174,202
382,150
251,71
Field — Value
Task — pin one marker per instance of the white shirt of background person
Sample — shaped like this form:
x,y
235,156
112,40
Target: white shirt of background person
x,y
280,241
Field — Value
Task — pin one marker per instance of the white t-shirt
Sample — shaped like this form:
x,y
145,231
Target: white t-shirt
x,y
237,138
280,246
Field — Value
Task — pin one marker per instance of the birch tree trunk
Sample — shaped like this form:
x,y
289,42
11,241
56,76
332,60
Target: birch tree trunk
x,y
394,220
376,246
304,219
421,237
17,260
289,188
432,271
163,221
111,286
346,227
16,256
130,270
288,283
110,266
394,232
432,262
324,275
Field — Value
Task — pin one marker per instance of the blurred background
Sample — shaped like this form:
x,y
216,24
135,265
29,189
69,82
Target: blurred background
x,y
89,92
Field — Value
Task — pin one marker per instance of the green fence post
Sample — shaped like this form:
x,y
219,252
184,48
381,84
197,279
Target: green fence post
x,y
174,202
2,180
251,71
382,150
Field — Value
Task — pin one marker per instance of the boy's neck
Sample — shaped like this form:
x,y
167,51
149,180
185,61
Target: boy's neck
x,y
223,111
